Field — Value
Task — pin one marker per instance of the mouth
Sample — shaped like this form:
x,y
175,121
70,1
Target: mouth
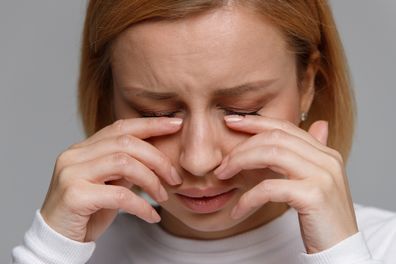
x,y
205,201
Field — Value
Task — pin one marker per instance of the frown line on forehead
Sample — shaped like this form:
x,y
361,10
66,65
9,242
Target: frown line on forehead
x,y
218,92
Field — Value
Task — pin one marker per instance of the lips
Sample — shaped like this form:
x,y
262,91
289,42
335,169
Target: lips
x,y
205,201
201,193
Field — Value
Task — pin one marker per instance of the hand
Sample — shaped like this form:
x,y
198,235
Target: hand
x,y
92,179
315,184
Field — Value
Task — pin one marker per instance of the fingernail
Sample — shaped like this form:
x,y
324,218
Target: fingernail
x,y
175,121
155,218
175,176
163,195
233,118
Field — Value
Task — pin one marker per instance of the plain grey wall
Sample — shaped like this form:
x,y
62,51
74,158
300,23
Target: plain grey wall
x,y
39,56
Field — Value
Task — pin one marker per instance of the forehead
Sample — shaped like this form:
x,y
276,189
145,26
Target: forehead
x,y
222,43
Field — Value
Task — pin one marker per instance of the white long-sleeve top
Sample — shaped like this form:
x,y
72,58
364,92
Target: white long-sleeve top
x,y
132,240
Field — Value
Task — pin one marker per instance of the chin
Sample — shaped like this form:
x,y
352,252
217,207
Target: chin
x,y
214,222
218,223
196,223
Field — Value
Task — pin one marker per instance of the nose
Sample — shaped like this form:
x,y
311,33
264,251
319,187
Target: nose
x,y
200,149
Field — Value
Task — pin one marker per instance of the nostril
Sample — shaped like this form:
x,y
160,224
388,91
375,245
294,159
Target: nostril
x,y
200,154
199,166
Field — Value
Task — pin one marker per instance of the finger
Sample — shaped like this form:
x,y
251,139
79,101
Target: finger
x,y
139,127
114,167
257,124
320,130
135,147
97,196
276,158
120,182
277,137
294,193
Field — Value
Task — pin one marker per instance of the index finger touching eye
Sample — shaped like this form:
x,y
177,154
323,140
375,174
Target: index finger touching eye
x,y
259,124
139,127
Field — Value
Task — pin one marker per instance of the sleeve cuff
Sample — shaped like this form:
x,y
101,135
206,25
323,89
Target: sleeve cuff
x,y
53,247
351,250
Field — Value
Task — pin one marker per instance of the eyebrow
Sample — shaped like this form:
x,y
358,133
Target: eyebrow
x,y
243,88
226,92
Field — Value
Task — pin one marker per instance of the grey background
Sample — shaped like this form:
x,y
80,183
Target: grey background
x,y
39,57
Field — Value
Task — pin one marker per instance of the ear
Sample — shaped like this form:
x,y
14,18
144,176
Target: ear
x,y
307,89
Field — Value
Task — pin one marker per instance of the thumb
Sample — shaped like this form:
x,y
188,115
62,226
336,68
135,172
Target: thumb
x,y
320,130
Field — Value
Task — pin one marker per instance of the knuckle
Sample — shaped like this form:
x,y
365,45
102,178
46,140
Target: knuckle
x,y
262,189
337,155
328,182
266,186
64,158
72,194
285,125
66,178
64,175
274,150
119,125
121,163
336,165
121,159
124,140
161,157
74,146
276,134
121,195
289,197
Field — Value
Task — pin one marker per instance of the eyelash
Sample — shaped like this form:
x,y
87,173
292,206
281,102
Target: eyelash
x,y
172,114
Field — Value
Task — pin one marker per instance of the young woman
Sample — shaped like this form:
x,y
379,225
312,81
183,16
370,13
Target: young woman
x,y
235,117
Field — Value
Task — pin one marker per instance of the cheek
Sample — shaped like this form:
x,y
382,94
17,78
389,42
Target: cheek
x,y
250,178
172,145
169,145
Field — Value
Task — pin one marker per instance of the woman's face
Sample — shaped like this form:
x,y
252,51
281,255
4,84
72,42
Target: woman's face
x,y
193,69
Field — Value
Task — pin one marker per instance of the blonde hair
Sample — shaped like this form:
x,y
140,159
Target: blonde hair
x,y
308,27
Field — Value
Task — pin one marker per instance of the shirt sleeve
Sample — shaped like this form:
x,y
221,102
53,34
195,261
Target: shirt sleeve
x,y
43,245
352,250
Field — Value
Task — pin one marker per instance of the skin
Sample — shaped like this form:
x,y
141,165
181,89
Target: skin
x,y
183,70
192,58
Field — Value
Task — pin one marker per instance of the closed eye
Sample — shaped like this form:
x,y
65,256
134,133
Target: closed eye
x,y
233,112
158,114
173,114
